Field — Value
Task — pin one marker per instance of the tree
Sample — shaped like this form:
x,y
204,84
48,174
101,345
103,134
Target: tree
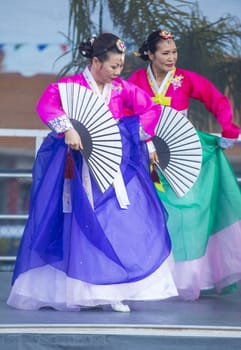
x,y
136,18
80,27
215,52
212,49
209,48
128,18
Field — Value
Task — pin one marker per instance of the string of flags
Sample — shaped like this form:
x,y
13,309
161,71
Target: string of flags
x,y
29,58
44,46
39,47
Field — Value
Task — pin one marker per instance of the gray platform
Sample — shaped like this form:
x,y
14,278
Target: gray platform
x,y
211,322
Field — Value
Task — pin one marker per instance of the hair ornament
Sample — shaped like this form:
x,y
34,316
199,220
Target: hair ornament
x,y
92,39
121,46
164,34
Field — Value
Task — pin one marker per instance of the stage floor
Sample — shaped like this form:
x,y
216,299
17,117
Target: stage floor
x,y
210,311
210,322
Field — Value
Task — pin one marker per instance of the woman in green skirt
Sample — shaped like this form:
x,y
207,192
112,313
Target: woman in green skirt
x,y
205,224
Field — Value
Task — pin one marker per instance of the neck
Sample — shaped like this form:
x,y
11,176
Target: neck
x,y
158,75
99,83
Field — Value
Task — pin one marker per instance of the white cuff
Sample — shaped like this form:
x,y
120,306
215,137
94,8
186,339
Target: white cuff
x,y
60,124
226,143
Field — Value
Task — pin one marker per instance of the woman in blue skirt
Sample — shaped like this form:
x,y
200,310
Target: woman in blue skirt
x,y
82,246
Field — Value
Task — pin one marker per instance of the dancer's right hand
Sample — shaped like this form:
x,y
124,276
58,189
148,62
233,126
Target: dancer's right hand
x,y
73,140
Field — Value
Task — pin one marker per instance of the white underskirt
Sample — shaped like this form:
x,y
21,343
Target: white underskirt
x,y
48,287
218,268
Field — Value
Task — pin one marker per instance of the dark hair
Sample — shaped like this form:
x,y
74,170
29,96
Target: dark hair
x,y
150,44
100,46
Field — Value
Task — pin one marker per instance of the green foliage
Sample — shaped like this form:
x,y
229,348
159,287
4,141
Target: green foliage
x,y
81,27
213,50
128,18
137,18
209,48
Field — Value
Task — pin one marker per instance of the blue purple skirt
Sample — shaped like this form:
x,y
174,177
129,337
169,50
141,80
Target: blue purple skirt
x,y
104,245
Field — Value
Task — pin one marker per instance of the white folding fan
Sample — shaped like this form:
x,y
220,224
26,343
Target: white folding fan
x,y
179,150
98,130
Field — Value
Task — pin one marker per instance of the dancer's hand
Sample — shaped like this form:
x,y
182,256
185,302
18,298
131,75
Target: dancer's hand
x,y
152,152
73,140
153,157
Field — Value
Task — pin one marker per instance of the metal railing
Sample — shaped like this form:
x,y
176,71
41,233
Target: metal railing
x,y
38,135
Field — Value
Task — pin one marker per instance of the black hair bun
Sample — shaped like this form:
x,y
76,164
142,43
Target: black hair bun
x,y
143,51
86,48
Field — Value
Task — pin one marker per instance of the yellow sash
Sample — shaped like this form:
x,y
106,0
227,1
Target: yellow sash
x,y
160,97
162,100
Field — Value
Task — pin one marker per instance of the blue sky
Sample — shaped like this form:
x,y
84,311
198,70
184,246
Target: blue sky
x,y
214,9
33,22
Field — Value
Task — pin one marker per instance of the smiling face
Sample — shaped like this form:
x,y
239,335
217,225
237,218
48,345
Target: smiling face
x,y
104,72
165,57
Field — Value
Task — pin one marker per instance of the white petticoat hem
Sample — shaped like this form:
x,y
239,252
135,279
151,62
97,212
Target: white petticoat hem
x,y
218,268
48,287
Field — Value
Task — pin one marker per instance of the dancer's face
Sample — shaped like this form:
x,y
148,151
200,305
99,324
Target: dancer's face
x,y
165,57
110,69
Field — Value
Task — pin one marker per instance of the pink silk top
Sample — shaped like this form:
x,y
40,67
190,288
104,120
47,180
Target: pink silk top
x,y
123,95
186,85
